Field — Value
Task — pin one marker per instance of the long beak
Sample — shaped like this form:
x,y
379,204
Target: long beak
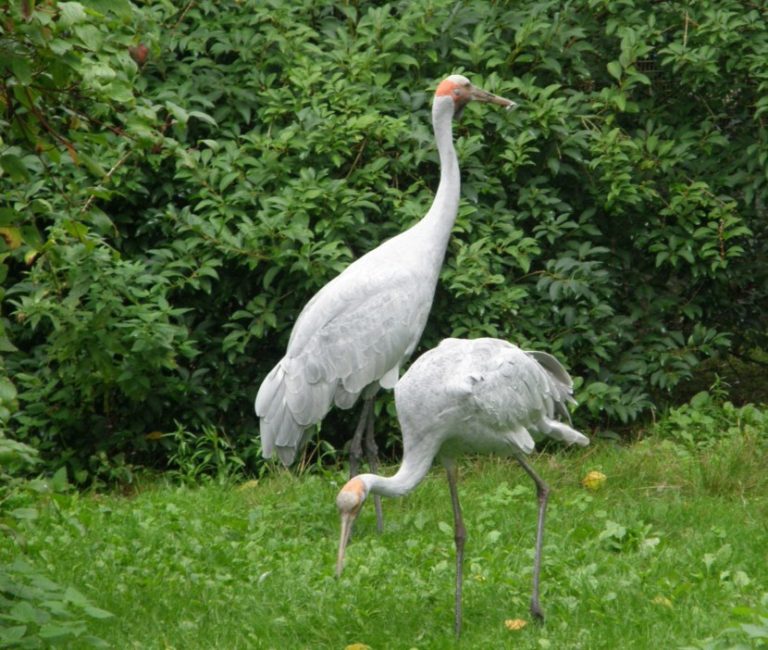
x,y
347,519
480,95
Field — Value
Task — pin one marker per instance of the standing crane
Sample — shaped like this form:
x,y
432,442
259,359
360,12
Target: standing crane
x,y
470,396
352,337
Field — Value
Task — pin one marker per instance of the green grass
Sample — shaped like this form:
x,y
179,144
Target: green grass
x,y
672,549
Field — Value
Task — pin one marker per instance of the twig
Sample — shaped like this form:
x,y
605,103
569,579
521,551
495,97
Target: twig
x,y
69,146
107,176
115,129
183,14
357,158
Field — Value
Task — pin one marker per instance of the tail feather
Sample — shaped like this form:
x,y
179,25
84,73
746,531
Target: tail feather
x,y
561,385
286,455
552,366
559,380
522,439
268,389
307,402
279,428
563,432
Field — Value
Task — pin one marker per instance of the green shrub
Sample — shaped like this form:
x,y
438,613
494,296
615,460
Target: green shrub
x,y
709,418
40,613
35,612
210,455
176,183
16,459
749,630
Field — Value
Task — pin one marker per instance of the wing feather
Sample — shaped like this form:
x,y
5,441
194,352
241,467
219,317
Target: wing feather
x,y
372,335
355,332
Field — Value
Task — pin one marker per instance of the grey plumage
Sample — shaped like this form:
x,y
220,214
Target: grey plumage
x,y
471,396
486,396
353,334
357,331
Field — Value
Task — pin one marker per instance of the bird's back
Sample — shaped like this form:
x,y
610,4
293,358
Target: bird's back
x,y
485,395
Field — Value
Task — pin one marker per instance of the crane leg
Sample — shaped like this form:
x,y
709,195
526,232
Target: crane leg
x,y
372,455
460,536
356,446
542,493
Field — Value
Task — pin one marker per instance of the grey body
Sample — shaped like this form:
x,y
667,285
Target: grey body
x,y
355,332
353,336
484,396
471,396
477,396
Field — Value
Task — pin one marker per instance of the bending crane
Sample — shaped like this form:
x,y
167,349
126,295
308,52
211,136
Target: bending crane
x,y
470,396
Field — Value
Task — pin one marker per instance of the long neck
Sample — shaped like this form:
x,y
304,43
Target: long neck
x,y
438,221
408,476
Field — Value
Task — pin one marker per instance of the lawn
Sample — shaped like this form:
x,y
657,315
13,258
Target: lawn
x,y
671,550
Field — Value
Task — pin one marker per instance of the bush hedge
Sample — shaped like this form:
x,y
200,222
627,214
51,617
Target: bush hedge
x,y
176,180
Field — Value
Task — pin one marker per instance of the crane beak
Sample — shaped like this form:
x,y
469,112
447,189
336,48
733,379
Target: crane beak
x,y
480,95
347,519
349,501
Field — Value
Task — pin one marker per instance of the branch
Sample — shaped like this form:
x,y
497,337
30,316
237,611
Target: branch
x,y
69,146
183,14
357,158
107,176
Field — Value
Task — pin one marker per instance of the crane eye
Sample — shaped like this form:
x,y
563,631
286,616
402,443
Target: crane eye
x,y
457,91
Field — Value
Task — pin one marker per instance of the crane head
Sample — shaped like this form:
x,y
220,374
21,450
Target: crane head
x,y
461,91
349,501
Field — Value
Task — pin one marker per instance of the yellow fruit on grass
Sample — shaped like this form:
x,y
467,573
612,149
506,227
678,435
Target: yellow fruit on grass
x,y
594,480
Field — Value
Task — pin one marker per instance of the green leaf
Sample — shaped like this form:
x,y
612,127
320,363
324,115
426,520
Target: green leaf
x,y
100,221
92,165
120,91
178,112
27,514
554,165
53,631
615,69
14,166
59,480
9,636
90,36
31,236
203,116
121,8
6,345
7,390
97,612
75,228
269,275
25,612
71,13
755,631
22,70
8,217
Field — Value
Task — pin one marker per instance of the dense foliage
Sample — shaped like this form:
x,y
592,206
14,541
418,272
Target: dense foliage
x,y
177,180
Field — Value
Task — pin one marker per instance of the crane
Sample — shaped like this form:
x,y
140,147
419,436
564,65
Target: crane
x,y
353,336
470,396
